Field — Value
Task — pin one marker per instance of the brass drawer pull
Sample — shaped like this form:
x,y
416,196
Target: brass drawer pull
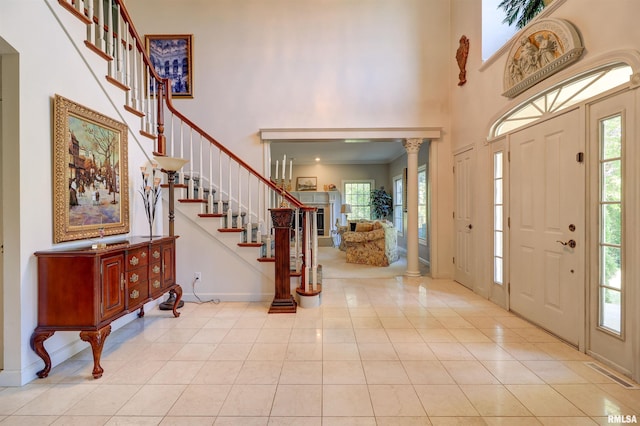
x,y
134,294
143,254
156,254
156,269
156,284
134,261
134,278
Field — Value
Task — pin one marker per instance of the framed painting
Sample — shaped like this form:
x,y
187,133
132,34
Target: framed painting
x,y
90,173
171,57
306,184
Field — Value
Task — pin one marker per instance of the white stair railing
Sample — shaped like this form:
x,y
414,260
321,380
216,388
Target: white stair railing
x,y
247,194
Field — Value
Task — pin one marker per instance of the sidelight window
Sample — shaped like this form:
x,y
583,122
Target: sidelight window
x,y
610,222
498,218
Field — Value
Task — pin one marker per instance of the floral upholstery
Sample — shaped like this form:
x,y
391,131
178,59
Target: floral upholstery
x,y
372,243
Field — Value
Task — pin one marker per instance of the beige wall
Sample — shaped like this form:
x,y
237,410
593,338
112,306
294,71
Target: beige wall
x,y
316,64
479,102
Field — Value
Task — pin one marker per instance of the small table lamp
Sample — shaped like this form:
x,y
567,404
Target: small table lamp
x,y
345,209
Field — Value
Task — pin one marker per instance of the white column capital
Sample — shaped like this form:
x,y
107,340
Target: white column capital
x,y
412,145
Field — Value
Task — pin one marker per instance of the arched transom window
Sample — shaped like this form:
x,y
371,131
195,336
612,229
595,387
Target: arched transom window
x,y
561,96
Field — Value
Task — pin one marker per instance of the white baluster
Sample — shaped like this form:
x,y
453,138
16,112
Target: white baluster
x,y
181,180
91,29
210,200
190,193
126,77
229,216
220,205
248,196
134,75
201,174
238,220
268,243
101,42
171,149
148,113
153,104
111,46
120,49
230,224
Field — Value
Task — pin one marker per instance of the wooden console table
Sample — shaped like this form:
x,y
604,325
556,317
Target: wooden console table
x,y
87,289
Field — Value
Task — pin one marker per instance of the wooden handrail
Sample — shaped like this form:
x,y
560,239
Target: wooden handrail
x,y
166,99
142,102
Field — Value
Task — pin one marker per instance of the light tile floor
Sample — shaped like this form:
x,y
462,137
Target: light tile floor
x,y
387,351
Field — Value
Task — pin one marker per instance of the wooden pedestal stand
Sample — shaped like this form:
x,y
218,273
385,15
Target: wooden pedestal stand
x,y
283,302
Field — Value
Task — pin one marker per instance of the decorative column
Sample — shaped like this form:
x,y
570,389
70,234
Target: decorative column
x,y
412,146
283,301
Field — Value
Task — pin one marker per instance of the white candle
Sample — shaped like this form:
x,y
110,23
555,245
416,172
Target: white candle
x,y
276,169
290,168
284,165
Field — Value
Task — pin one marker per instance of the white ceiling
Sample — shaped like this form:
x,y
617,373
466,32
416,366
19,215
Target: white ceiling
x,y
338,151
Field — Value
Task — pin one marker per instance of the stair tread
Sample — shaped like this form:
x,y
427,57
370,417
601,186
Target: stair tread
x,y
250,244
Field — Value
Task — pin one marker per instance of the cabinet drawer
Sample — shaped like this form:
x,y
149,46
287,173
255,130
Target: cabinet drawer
x,y
137,294
138,257
156,253
155,270
155,285
136,276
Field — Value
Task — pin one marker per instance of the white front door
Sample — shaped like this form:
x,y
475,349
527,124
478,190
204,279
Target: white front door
x,y
613,264
463,215
547,246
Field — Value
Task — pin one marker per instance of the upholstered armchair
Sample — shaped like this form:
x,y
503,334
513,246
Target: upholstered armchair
x,y
371,244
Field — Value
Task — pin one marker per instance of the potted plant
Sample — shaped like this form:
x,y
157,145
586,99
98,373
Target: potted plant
x,y
381,203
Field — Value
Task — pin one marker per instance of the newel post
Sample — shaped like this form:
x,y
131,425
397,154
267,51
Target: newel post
x,y
283,301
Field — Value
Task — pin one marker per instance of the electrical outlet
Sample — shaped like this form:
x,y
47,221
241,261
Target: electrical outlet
x,y
197,276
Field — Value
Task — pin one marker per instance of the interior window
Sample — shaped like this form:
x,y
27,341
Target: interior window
x,y
422,205
397,205
495,33
357,193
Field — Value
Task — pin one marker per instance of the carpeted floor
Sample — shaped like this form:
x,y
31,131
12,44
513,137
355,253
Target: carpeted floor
x,y
334,265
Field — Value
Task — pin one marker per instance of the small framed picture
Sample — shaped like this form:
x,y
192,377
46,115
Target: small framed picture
x,y
306,184
171,58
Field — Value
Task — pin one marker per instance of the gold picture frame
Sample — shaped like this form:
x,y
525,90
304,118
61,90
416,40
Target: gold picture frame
x,y
171,57
90,173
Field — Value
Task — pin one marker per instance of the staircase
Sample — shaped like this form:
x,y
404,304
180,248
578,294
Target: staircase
x,y
216,190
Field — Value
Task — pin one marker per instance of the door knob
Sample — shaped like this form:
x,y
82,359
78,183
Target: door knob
x,y
570,243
